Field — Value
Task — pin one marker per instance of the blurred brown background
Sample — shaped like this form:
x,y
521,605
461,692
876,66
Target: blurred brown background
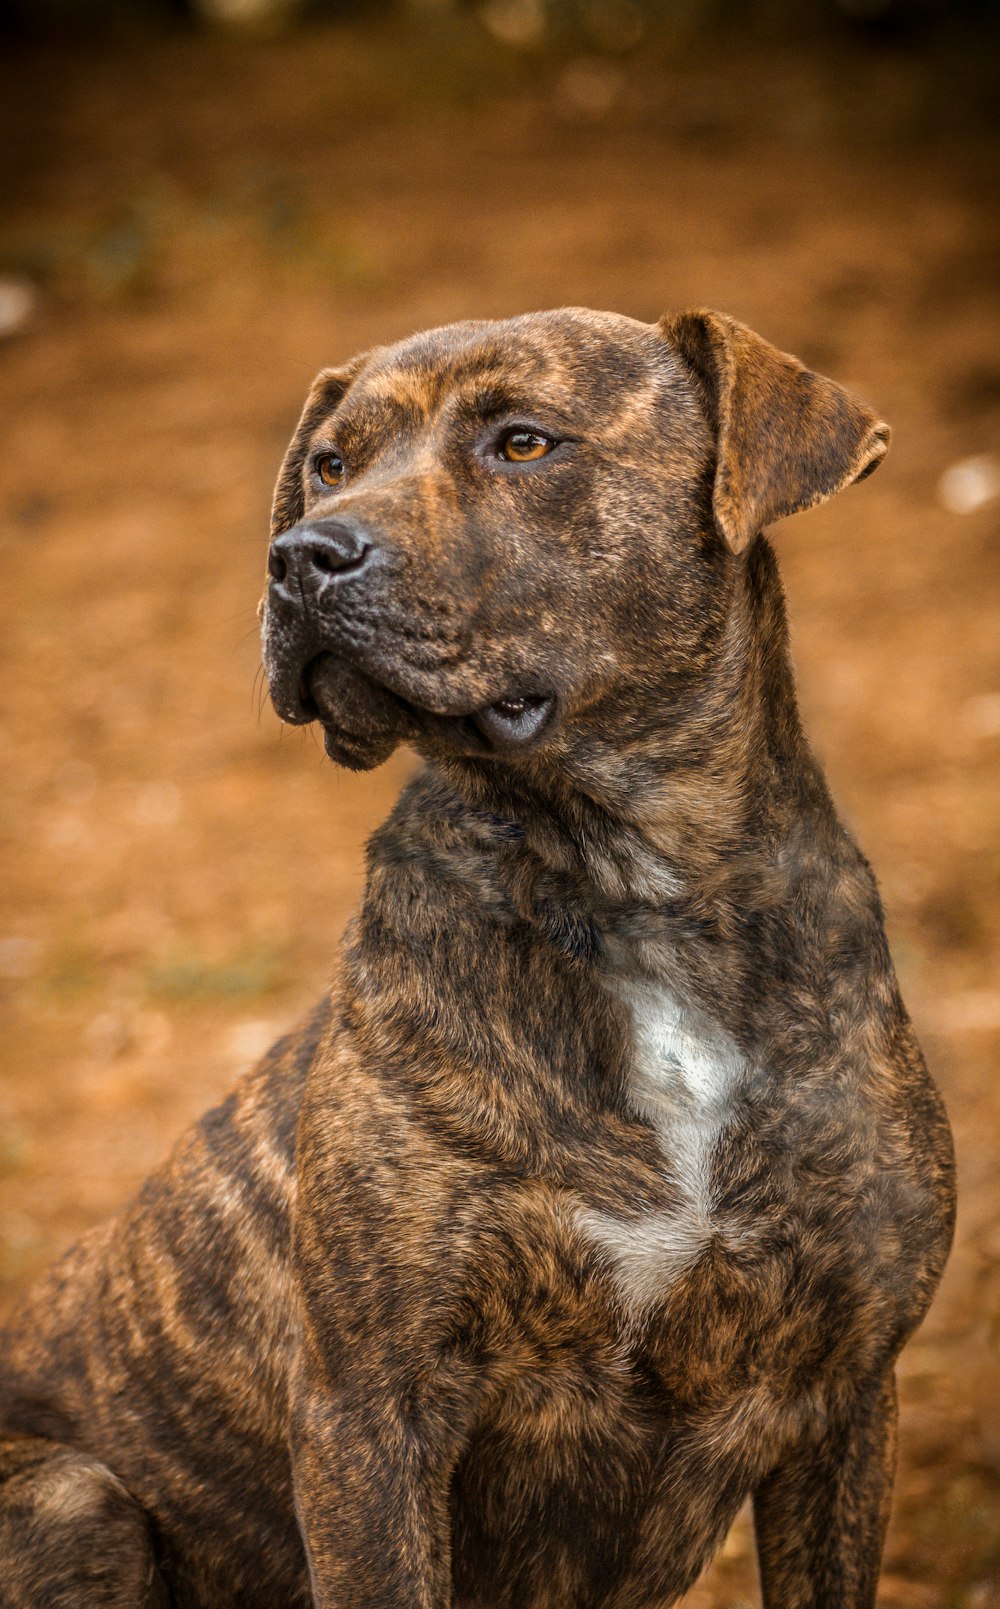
x,y
201,205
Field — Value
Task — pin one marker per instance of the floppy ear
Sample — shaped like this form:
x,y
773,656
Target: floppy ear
x,y
329,386
786,438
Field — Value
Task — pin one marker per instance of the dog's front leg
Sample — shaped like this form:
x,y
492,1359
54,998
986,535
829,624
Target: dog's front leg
x,y
821,1515
372,1462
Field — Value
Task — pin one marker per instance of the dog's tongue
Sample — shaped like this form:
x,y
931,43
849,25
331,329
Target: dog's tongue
x,y
512,722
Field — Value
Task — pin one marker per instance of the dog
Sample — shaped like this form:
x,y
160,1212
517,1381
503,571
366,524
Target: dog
x,y
603,1190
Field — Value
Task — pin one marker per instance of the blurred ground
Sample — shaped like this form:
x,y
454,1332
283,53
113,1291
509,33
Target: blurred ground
x,y
210,220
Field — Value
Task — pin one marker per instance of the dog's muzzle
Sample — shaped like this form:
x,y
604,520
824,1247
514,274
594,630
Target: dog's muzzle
x,y
324,652
309,567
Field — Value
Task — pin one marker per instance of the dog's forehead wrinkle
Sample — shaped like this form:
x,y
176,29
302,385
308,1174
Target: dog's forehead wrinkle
x,y
429,368
365,429
394,399
512,396
558,355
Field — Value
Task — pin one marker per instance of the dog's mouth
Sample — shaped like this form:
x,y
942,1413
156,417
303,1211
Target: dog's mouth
x,y
363,718
513,722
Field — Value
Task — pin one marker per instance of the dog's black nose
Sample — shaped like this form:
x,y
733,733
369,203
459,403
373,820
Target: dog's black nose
x,y
312,554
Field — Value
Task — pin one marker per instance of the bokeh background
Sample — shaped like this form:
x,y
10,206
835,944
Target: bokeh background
x,y
203,203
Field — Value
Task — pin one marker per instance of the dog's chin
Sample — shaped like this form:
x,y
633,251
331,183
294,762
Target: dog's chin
x,y
362,722
357,753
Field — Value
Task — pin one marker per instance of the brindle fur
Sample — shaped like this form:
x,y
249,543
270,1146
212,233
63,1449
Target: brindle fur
x,y
354,1344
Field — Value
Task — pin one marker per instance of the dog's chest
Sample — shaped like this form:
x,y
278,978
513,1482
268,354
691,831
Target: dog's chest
x,y
684,1078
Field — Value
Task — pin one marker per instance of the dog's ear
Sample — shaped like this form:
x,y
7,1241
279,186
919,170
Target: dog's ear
x,y
786,438
328,388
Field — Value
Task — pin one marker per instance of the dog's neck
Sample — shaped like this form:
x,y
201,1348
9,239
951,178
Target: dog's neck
x,y
726,881
705,814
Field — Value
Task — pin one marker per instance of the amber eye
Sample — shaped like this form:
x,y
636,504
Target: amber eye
x,y
330,469
524,446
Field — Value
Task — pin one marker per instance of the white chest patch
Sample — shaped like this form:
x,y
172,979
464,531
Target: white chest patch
x,y
685,1073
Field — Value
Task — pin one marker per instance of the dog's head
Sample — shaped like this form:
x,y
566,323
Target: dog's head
x,y
487,537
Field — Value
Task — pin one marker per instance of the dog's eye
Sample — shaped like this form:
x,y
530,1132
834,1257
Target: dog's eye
x,y
330,469
524,446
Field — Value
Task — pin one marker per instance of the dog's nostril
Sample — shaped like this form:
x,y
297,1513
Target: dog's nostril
x,y
277,569
328,560
333,550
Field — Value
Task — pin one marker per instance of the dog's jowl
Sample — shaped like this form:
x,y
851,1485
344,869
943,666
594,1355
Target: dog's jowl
x,y
605,1187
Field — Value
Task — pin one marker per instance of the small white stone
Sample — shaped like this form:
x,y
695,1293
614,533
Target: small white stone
x,y
107,1035
589,88
973,1011
248,1041
969,484
19,957
152,1031
18,300
981,715
157,804
514,22
247,13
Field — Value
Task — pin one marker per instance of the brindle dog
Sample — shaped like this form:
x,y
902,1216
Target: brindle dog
x,y
605,1188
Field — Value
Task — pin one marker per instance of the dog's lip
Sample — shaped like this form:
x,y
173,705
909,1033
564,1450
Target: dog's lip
x,y
506,724
514,721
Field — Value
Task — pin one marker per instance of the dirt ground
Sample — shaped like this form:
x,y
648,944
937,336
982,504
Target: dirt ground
x,y
209,221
